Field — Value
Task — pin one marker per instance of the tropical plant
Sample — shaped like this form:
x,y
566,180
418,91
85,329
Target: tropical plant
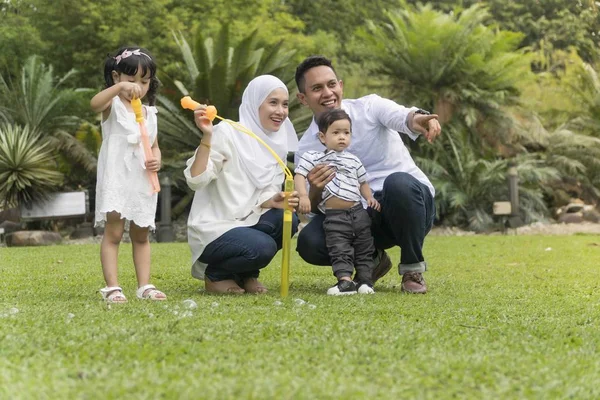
x,y
586,92
574,147
41,101
217,73
577,157
454,64
27,166
467,185
469,74
560,24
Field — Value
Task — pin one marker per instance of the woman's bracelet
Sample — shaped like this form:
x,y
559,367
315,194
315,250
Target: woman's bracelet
x,y
204,144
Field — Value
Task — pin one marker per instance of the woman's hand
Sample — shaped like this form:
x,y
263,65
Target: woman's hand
x,y
202,121
277,200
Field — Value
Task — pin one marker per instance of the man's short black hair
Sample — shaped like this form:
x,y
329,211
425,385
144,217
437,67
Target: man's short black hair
x,y
308,63
330,116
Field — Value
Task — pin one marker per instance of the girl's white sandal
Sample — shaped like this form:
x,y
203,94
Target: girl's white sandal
x,y
149,292
113,294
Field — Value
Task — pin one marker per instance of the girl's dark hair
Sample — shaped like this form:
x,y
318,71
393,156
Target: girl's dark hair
x,y
329,117
140,57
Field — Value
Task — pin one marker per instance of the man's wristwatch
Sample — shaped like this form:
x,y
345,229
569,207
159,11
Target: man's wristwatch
x,y
421,111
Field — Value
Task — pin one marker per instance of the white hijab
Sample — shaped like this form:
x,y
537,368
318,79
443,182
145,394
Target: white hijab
x,y
261,167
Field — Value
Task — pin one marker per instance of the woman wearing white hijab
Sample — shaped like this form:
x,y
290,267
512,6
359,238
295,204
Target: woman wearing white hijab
x,y
235,224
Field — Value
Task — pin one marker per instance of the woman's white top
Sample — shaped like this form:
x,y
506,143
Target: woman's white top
x,y
225,196
122,179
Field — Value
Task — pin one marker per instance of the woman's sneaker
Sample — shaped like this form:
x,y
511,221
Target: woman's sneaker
x,y
365,288
342,288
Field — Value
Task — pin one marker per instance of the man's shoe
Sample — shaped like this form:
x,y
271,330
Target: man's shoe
x,y
383,264
413,282
342,288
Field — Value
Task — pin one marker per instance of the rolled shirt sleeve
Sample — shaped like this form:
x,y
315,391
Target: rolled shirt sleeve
x,y
391,114
213,167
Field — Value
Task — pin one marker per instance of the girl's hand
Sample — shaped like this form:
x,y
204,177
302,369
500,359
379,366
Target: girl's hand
x,y
202,121
304,206
277,200
130,90
374,204
153,165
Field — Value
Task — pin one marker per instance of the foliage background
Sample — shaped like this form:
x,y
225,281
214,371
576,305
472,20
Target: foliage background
x,y
513,82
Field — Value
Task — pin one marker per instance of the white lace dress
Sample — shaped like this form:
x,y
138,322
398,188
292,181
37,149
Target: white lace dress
x,y
122,180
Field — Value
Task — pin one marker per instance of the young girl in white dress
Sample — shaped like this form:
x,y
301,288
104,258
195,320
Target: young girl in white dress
x,y
123,190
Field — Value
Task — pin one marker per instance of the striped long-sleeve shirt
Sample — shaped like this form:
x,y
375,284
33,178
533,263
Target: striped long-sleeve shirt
x,y
350,174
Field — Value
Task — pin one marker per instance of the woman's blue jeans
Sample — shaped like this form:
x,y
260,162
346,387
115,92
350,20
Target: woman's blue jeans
x,y
241,252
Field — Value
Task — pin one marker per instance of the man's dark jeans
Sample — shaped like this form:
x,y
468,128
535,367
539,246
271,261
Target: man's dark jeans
x,y
407,214
241,252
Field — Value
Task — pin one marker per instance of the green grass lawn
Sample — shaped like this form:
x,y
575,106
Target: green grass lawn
x,y
505,317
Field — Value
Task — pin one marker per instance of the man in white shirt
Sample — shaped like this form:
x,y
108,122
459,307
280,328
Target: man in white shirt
x,y
402,189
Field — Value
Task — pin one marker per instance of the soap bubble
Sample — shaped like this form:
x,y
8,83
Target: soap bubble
x,y
299,302
190,304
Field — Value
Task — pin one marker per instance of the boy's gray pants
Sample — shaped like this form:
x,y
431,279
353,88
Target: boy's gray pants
x,y
350,243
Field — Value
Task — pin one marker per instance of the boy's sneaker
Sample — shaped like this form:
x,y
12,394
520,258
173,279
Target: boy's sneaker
x,y
365,288
342,288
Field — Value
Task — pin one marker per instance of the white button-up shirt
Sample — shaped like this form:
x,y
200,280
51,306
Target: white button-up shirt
x,y
375,140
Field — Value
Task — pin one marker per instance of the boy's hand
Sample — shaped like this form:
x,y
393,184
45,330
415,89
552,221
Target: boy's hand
x,y
374,204
277,200
304,206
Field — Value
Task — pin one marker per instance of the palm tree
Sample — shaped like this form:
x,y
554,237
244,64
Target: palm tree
x,y
464,71
586,93
27,166
574,147
467,185
39,101
469,74
216,72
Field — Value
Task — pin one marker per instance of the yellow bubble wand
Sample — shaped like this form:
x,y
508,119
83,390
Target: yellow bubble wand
x,y
211,114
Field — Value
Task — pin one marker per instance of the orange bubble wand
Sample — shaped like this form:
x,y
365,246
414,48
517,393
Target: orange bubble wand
x,y
136,104
211,114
